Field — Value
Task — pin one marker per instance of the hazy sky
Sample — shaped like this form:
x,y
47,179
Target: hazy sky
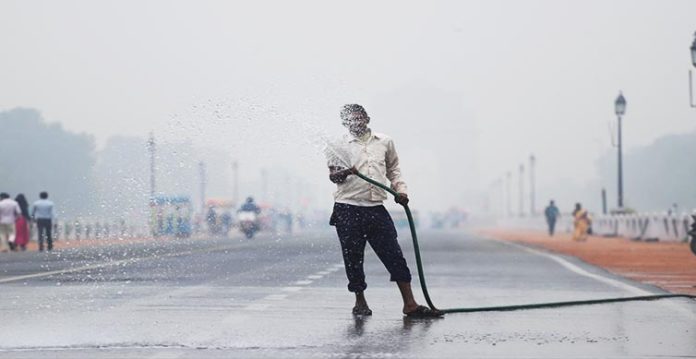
x,y
506,78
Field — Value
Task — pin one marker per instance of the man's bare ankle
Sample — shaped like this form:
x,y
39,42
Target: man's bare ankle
x,y
410,307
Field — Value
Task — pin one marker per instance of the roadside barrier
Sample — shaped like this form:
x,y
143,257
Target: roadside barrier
x,y
645,226
93,229
640,226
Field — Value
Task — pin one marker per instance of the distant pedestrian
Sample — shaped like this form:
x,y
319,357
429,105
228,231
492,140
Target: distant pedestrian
x,y
42,212
211,220
582,223
551,213
22,223
9,211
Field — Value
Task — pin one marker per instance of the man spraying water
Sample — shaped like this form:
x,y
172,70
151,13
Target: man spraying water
x,y
359,215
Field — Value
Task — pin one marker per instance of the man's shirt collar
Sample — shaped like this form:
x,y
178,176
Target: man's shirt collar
x,y
373,135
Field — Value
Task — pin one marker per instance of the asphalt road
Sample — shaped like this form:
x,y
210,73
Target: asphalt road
x,y
285,296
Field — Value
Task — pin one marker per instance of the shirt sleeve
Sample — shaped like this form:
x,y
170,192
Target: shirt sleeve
x,y
393,169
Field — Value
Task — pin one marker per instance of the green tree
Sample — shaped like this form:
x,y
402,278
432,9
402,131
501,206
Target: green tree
x,y
37,156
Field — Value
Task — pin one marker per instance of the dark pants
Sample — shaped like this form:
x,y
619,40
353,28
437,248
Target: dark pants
x,y
552,226
44,227
356,226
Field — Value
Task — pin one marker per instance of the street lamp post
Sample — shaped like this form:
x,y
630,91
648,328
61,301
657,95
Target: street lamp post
x,y
152,150
235,185
692,233
693,61
521,189
508,192
620,110
264,184
532,185
201,172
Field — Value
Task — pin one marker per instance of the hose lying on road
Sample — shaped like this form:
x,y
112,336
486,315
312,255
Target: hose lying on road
x,y
424,287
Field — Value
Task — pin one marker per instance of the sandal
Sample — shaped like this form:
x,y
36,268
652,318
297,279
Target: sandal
x,y
362,311
425,312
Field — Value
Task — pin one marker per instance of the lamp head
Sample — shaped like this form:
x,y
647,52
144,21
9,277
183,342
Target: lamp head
x,y
620,105
693,51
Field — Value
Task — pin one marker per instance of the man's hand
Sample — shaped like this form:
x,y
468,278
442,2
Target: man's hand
x,y
338,175
401,198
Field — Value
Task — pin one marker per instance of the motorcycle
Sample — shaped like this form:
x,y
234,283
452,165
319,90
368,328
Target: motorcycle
x,y
248,223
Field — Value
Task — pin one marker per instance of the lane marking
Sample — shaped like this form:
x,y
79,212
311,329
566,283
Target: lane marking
x,y
165,355
257,306
612,282
577,270
70,270
263,303
109,264
291,289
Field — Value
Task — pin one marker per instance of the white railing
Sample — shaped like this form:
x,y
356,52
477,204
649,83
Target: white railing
x,y
93,230
645,226
640,226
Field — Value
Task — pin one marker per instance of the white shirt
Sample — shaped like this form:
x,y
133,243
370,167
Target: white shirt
x,y
374,157
9,210
43,209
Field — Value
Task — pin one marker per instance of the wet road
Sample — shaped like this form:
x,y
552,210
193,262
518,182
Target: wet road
x,y
285,296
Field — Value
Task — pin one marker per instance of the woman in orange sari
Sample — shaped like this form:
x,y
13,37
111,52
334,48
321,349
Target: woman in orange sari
x,y
582,223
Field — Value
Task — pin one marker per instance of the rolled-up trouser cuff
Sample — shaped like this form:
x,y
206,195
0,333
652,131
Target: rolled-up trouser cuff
x,y
401,279
357,287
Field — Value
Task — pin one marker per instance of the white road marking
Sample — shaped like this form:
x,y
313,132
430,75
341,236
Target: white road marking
x,y
314,277
107,264
165,355
612,282
303,282
334,269
291,289
257,306
275,297
70,270
323,272
577,270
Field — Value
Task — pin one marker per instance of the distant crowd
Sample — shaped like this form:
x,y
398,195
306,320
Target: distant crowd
x,y
16,222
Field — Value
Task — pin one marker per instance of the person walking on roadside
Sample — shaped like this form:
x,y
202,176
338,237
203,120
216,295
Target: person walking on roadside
x,y
360,217
551,213
22,223
42,212
9,211
581,220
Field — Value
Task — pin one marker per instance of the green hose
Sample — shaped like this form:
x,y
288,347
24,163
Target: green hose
x,y
424,287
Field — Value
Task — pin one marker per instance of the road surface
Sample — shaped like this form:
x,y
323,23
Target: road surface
x,y
285,296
